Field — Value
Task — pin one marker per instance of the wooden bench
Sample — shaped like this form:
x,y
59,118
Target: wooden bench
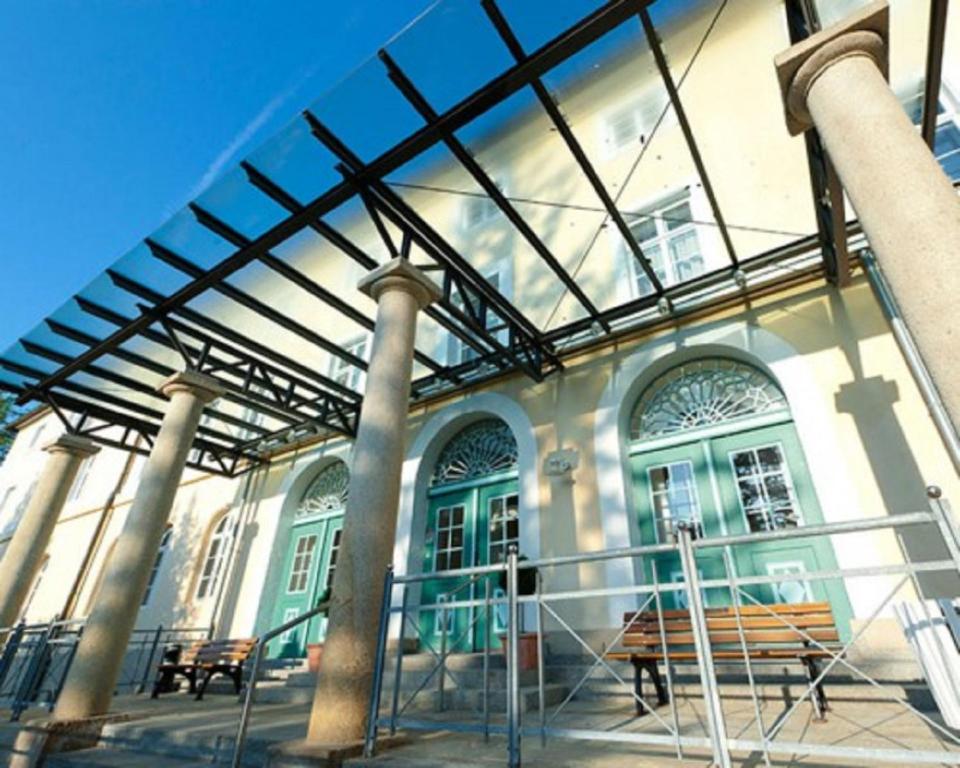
x,y
767,639
201,661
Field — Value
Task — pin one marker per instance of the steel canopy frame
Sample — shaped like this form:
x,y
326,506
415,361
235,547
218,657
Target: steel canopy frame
x,y
263,384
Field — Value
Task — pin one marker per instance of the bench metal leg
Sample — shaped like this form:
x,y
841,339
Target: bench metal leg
x,y
654,672
817,696
207,676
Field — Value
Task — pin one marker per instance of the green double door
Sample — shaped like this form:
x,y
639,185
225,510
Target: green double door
x,y
466,527
308,569
748,481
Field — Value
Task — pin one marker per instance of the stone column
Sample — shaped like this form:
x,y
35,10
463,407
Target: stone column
x,y
343,688
93,675
24,554
836,81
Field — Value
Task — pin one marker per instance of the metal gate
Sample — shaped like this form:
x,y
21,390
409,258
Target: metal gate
x,y
658,729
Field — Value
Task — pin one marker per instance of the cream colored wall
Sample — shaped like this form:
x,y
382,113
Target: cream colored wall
x,y
888,444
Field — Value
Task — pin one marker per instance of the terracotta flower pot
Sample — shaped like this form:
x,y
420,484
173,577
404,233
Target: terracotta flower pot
x,y
314,654
526,651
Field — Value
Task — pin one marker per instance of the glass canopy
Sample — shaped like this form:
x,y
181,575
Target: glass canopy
x,y
564,171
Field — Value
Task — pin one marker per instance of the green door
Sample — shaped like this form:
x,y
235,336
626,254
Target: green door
x,y
764,485
751,480
466,527
673,485
307,572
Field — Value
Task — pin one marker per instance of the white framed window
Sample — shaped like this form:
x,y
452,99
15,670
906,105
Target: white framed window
x,y
674,498
5,498
503,514
81,479
670,240
631,124
157,562
302,560
459,351
790,590
479,209
946,144
37,433
448,553
346,373
215,558
765,488
334,553
35,587
24,501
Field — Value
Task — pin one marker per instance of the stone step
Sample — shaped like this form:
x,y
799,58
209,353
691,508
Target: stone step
x,y
411,678
467,700
99,757
189,741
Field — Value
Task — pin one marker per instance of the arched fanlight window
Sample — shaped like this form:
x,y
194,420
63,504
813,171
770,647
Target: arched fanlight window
x,y
327,492
485,448
216,557
702,393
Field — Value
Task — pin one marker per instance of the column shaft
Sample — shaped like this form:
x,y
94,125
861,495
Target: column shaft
x,y
96,666
24,553
344,686
906,205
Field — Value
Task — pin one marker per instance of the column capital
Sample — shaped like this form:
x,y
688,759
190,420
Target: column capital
x,y
400,275
863,33
203,387
75,444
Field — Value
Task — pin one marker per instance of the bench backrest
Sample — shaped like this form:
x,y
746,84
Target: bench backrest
x,y
219,651
760,628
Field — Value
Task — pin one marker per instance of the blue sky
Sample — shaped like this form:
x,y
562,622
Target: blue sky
x,y
116,113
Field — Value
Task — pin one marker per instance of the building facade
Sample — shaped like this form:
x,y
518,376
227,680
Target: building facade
x,y
782,408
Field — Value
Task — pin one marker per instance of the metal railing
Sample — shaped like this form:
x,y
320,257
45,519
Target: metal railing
x,y
740,591
37,657
251,686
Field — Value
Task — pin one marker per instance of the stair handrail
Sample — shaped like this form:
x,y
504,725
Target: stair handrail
x,y
251,686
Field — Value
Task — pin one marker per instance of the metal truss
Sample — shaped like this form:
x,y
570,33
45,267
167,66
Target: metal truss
x,y
272,398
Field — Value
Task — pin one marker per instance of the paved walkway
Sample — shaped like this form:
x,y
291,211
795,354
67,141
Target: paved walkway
x,y
177,732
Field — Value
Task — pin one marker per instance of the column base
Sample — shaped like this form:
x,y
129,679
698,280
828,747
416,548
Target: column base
x,y
302,753
39,738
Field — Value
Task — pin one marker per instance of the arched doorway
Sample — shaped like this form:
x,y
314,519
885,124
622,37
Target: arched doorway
x,y
472,519
712,443
311,558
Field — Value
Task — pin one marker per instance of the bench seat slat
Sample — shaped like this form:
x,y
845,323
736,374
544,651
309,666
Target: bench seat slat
x,y
826,634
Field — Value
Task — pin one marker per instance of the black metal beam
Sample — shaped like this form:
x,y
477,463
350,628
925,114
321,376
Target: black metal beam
x,y
563,46
931,86
664,68
261,308
321,401
135,385
280,196
86,410
803,20
563,128
247,396
525,338
285,270
233,393
412,94
117,402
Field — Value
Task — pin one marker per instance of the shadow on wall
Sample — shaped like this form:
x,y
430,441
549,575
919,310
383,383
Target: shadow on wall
x,y
870,401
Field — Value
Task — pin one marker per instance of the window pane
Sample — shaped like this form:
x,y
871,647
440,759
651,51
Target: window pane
x,y
678,216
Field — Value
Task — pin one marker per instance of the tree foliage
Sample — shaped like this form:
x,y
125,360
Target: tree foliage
x,y
8,413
